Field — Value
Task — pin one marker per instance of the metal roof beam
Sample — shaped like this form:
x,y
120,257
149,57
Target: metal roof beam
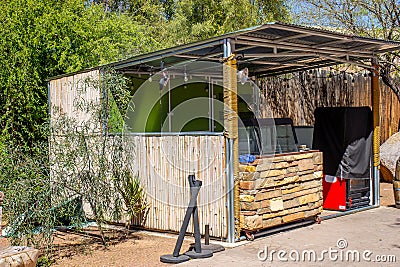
x,y
297,47
361,46
196,57
343,41
334,59
243,48
323,34
301,62
287,38
315,55
346,61
285,71
338,41
260,62
279,71
285,63
170,52
389,49
209,56
255,59
283,54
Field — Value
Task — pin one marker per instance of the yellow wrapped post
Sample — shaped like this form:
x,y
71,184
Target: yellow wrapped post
x,y
231,127
375,94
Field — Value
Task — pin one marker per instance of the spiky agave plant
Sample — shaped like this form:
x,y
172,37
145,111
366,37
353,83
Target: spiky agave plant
x,y
133,196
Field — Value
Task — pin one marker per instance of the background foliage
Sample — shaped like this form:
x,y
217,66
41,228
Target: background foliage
x,y
44,38
40,39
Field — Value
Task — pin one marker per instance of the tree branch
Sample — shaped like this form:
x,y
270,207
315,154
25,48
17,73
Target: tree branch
x,y
389,81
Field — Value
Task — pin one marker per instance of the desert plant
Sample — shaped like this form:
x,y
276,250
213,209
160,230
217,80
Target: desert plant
x,y
132,194
87,161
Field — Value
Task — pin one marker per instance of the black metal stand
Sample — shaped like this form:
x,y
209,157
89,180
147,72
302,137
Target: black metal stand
x,y
207,246
175,257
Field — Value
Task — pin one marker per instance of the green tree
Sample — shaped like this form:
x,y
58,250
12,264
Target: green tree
x,y
194,19
41,39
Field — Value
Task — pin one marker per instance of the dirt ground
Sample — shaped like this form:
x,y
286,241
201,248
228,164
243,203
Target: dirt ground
x,y
137,249
4,242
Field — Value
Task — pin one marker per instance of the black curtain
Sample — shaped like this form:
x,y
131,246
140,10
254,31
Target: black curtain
x,y
344,135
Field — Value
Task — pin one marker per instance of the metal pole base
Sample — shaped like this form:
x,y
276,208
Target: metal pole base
x,y
171,259
199,255
213,247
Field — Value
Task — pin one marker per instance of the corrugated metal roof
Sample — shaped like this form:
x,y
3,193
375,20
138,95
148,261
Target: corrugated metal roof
x,y
270,49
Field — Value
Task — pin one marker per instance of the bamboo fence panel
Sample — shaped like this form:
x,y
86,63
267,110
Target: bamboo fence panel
x,y
163,164
65,92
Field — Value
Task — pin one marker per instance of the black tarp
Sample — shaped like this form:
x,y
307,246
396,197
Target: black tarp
x,y
344,135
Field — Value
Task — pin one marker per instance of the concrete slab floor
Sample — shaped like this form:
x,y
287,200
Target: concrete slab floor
x,y
374,235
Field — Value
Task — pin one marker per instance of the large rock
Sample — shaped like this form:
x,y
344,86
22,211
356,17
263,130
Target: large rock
x,y
18,256
390,152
